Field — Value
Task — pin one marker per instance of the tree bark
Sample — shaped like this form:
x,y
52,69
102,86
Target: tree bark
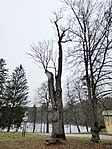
x,y
57,108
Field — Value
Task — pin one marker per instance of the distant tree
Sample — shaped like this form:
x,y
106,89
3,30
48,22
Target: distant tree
x,y
84,103
42,95
16,97
72,100
3,79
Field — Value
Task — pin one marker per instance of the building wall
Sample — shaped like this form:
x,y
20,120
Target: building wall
x,y
108,123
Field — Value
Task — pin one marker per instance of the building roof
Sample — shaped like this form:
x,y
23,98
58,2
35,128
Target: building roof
x,y
107,113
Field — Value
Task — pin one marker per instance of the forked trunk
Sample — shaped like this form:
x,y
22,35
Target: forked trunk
x,y
57,109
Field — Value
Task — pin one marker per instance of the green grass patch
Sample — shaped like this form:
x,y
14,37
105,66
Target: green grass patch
x,y
35,141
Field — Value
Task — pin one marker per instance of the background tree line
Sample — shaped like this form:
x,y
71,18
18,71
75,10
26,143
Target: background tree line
x,y
13,96
76,110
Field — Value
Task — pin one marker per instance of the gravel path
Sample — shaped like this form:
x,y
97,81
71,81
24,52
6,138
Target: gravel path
x,y
107,137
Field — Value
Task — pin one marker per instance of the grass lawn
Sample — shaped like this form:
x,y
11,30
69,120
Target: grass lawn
x,y
35,141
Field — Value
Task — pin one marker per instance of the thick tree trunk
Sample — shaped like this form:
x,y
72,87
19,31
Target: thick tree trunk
x,y
58,126
95,133
94,128
94,120
57,109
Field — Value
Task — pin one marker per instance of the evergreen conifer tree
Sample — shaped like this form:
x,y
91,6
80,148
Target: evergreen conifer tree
x,y
16,97
3,78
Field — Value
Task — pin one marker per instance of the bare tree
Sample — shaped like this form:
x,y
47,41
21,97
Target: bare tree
x,y
77,101
43,55
84,105
71,105
41,94
91,29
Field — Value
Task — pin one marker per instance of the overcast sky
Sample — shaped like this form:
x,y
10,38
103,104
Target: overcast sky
x,y
23,22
